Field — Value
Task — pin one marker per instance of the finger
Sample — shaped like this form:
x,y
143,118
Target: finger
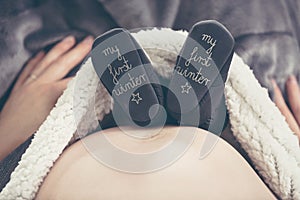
x,y
279,101
58,50
65,63
32,63
294,97
62,85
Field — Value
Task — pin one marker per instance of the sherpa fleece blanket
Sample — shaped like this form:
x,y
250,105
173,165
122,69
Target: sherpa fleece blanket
x,y
256,122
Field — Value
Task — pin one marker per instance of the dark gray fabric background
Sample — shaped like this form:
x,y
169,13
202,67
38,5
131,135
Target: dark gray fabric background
x,y
267,33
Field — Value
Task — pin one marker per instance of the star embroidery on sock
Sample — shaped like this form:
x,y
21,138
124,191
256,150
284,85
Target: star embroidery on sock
x,y
186,88
136,98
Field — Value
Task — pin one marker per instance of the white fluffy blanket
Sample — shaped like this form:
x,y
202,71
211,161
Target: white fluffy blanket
x,y
255,120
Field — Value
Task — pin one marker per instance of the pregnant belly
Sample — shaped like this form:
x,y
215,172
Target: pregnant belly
x,y
223,174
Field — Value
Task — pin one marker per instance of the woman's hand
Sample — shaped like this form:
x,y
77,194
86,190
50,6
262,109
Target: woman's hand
x,y
293,91
37,90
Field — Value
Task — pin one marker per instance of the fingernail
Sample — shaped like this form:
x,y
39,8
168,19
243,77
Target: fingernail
x,y
292,79
69,39
88,40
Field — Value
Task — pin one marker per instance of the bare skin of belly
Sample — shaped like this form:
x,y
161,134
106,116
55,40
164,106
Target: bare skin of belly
x,y
223,174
